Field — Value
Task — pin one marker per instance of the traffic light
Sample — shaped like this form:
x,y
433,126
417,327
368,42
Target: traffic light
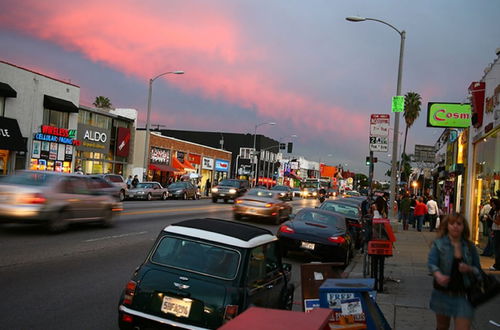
x,y
374,160
290,147
368,161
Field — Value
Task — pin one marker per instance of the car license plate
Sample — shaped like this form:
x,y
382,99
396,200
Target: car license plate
x,y
178,307
307,245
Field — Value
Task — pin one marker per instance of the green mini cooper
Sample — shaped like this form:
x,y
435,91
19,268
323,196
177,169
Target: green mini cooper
x,y
201,273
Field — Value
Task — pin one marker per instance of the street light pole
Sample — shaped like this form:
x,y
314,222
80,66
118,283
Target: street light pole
x,y
148,122
393,185
255,172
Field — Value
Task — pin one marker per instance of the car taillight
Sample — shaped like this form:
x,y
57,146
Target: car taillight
x,y
129,293
336,239
269,205
238,201
230,312
127,318
286,229
33,199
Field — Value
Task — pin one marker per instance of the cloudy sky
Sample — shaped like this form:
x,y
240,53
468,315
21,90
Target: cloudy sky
x,y
294,62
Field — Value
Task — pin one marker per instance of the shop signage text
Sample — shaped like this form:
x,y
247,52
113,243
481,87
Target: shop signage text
x,y
455,115
94,139
160,156
95,136
4,132
208,163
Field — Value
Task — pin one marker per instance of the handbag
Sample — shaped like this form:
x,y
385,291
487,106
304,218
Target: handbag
x,y
482,289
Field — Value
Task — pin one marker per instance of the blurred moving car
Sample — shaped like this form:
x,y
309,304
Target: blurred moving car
x,y
318,233
148,190
349,193
262,203
309,192
55,199
296,192
352,213
331,192
229,189
201,273
182,190
116,180
106,186
285,191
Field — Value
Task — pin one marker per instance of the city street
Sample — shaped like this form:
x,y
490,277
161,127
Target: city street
x,y
73,280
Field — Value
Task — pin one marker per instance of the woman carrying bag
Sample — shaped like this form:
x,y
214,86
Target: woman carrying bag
x,y
454,263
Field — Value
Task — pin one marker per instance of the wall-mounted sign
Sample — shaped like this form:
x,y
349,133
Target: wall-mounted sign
x,y
457,115
160,156
93,139
221,165
194,159
37,145
207,164
57,135
122,141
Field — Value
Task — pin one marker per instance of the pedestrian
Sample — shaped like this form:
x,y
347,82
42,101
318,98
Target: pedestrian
x,y
486,217
432,211
135,181
78,170
379,208
208,186
420,212
129,182
453,261
405,210
413,202
495,216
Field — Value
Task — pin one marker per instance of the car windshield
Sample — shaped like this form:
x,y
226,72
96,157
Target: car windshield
x,y
279,188
347,210
260,193
196,256
29,178
230,183
322,218
144,185
177,185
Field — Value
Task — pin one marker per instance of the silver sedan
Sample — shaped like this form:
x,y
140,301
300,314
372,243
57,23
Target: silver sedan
x,y
148,190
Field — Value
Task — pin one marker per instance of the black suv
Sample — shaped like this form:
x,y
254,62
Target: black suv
x,y
229,189
201,273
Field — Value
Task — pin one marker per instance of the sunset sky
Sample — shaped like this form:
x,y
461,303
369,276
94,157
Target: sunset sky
x,y
297,63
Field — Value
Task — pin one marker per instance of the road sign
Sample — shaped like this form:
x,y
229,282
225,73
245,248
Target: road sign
x,y
380,124
378,143
398,103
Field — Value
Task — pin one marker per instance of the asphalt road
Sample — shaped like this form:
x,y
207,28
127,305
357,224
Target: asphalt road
x,y
73,280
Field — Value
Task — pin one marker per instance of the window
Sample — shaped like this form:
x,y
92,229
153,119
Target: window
x,y
245,153
55,118
263,264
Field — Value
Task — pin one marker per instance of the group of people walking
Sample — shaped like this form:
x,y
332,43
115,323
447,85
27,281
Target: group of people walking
x,y
417,210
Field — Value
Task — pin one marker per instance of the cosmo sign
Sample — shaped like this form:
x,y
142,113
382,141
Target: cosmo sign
x,y
455,115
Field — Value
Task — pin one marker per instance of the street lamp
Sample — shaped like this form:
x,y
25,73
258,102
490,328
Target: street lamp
x,y
402,34
148,123
255,151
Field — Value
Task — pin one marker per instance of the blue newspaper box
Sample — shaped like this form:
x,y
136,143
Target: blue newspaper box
x,y
351,296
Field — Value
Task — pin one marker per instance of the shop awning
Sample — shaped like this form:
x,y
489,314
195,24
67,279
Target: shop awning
x,y
163,168
10,135
188,166
294,176
54,103
7,91
177,164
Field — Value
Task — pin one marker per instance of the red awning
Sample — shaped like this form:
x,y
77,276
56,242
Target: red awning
x,y
295,176
188,165
163,168
177,164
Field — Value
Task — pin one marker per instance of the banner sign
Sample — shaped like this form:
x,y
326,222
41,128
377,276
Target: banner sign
x,y
208,163
455,115
123,142
221,165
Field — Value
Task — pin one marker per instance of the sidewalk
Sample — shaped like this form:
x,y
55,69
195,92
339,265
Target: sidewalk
x,y
408,284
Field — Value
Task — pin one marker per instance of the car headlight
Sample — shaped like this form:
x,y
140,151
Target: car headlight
x,y
140,192
215,190
232,191
282,194
315,193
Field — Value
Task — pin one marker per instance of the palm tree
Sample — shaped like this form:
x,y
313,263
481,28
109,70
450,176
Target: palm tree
x,y
413,101
102,102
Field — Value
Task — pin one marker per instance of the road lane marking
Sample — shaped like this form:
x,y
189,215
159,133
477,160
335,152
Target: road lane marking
x,y
211,208
116,236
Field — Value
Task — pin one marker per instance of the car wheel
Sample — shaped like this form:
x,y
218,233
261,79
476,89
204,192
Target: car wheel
x,y
121,196
214,200
184,196
107,218
149,197
164,196
236,216
58,223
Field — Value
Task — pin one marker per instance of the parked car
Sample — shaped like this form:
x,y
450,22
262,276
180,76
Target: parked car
x,y
118,181
285,191
182,190
296,192
55,200
352,213
262,203
200,273
148,190
319,233
229,189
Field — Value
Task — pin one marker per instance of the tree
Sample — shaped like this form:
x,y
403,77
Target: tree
x,y
102,102
413,101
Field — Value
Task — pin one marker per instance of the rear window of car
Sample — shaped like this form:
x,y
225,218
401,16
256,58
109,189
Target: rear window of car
x,y
195,256
30,178
322,218
347,210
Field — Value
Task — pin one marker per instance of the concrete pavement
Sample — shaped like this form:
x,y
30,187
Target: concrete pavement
x,y
408,284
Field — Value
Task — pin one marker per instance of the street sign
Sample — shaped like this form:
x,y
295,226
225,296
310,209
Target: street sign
x,y
398,103
379,132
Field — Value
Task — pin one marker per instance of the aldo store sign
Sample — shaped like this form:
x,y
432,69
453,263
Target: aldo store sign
x,y
93,139
453,115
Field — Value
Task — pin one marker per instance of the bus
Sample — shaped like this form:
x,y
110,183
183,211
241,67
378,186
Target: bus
x,y
316,183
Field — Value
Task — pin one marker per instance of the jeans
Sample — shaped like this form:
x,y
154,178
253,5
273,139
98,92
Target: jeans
x,y
420,221
433,218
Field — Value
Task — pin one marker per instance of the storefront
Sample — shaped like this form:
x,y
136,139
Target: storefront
x,y
207,171
159,167
53,149
11,142
221,170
